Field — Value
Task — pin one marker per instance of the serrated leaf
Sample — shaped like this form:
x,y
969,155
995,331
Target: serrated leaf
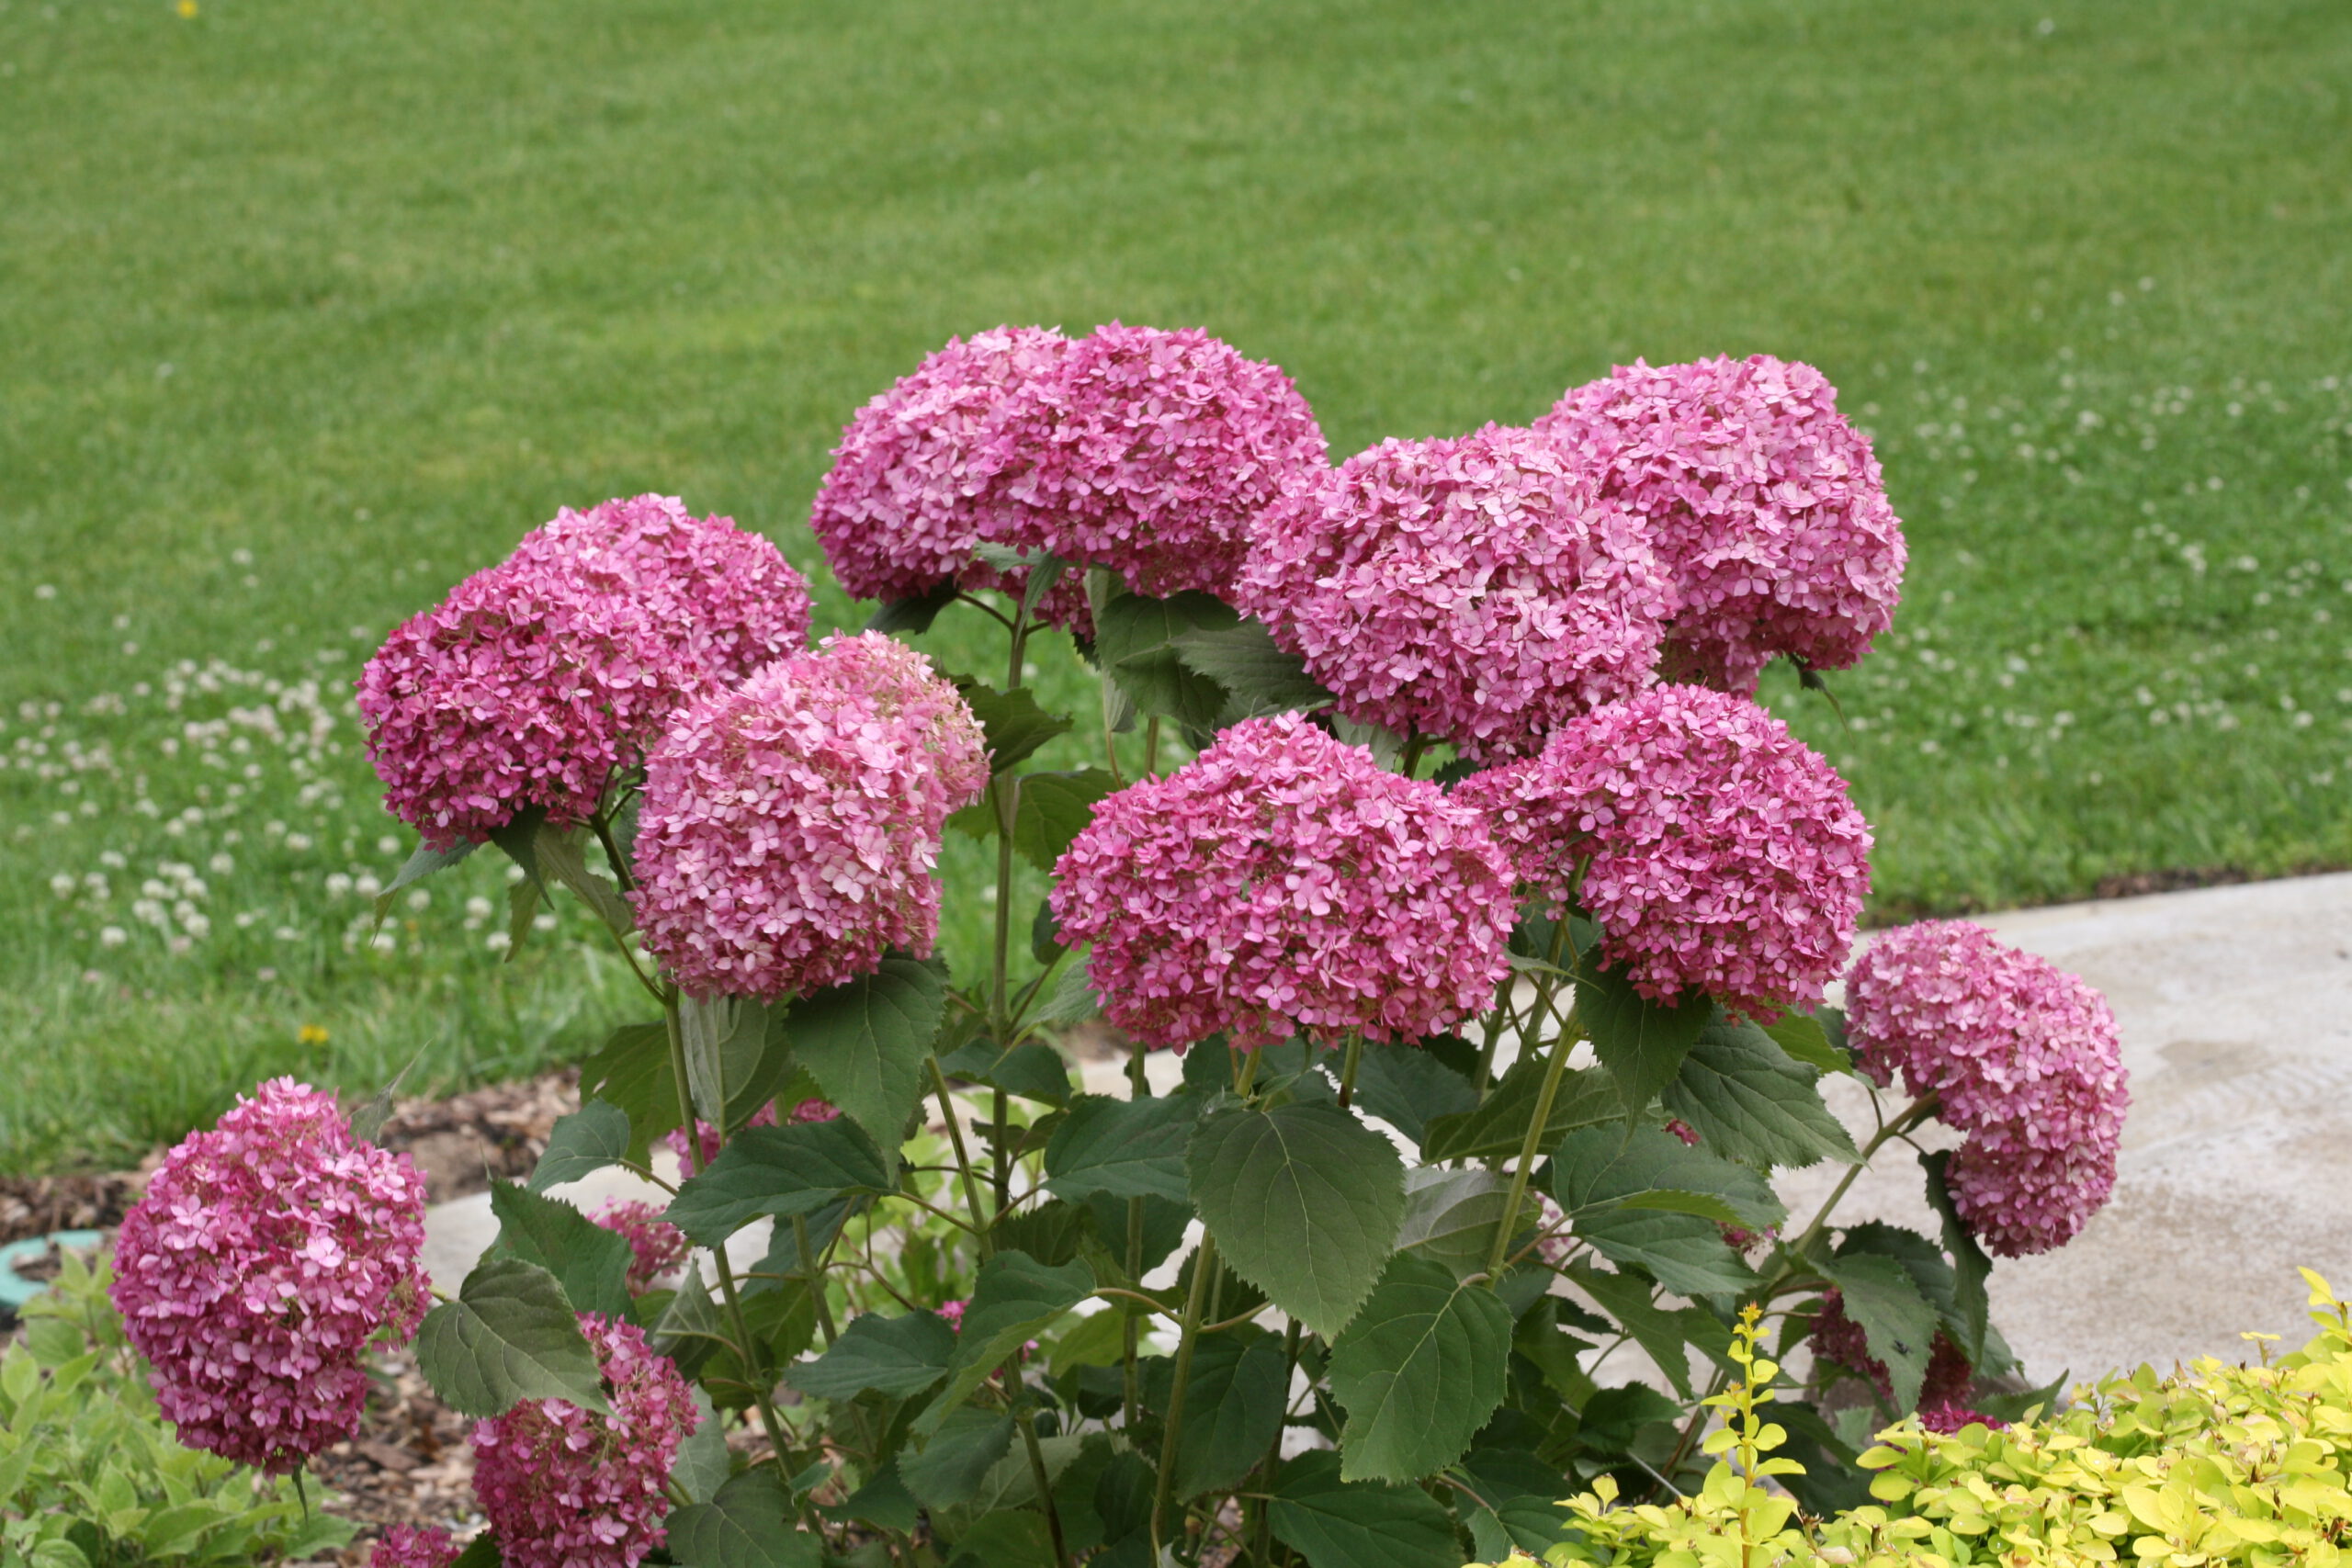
x,y
703,1464
1657,1330
1303,1200
581,1144
1134,637
481,1552
1418,1371
590,1262
1124,1148
1014,1299
1033,1070
1747,1101
915,615
1408,1087
737,1057
1053,808
783,1171
423,862
883,1502
964,1448
510,1336
1012,722
1586,1097
1450,1216
563,856
1898,1323
1803,1036
895,1356
866,1042
1009,1537
1072,999
368,1118
688,1330
748,1524
1683,1253
1260,677
1611,1167
1337,1523
1233,1410
1970,1266
631,1070
1642,1042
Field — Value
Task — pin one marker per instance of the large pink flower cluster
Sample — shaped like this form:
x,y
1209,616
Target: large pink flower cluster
x,y
2022,1056
1149,452
1766,506
264,1257
1476,589
539,678
790,824
1282,883
1721,854
414,1545
656,1246
911,491
566,1488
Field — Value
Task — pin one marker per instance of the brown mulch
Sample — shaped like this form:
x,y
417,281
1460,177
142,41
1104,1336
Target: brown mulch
x,y
410,1464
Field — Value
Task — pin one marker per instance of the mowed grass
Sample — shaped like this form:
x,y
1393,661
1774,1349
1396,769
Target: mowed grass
x,y
307,310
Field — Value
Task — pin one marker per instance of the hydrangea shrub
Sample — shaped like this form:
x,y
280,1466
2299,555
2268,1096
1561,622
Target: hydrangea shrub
x,y
1465,923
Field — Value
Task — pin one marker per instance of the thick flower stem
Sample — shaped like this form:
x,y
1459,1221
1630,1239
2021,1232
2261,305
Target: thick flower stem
x,y
1027,1422
1203,1270
1553,1071
1130,1331
1265,1523
963,1160
1348,1068
812,1277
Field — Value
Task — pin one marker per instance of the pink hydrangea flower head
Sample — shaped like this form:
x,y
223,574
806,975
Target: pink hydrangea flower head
x,y
954,1313
790,824
414,1545
1149,452
265,1257
1478,588
1721,853
675,1138
539,678
566,1488
1279,883
1949,1417
1766,506
656,1246
1840,1340
816,1111
2019,1200
910,493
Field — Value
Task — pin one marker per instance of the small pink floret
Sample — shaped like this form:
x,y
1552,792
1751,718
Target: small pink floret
x,y
656,1247
414,1545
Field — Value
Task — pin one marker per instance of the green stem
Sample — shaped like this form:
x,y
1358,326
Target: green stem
x,y
1130,1332
1028,1425
1918,1111
1245,1076
1348,1068
1151,748
1553,1072
1291,1340
812,1278
1203,1270
963,1160
1415,746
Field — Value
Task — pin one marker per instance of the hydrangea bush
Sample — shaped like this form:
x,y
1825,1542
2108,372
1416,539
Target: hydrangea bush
x,y
1465,921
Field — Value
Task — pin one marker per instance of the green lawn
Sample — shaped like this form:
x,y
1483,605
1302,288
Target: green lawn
x,y
307,311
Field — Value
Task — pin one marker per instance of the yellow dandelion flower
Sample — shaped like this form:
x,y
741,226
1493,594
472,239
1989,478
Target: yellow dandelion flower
x,y
187,10
311,1034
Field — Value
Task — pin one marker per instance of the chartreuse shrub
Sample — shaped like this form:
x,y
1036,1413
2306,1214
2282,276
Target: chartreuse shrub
x,y
2218,1464
1422,804
91,1475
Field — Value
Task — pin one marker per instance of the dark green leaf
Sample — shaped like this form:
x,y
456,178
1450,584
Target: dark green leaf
x,y
1033,1070
913,615
1657,1330
632,1072
1052,809
584,1142
1071,1000
1642,1042
518,841
424,862
1011,721
1527,1524
590,1262
703,1464
1450,1216
1408,1087
1303,1200
736,1056
689,1331
1647,1168
1747,1100
748,1524
1009,1538
1586,1097
1335,1523
783,1244
510,1336
965,1445
1045,938
1683,1252
1804,1038
1260,677
1419,1370
787,1171
1971,1267
1126,1148
1233,1410
865,1043
895,1356
369,1117
1015,1297
1613,1417
1053,1232
884,1502
563,856
1897,1322
481,1552
1134,640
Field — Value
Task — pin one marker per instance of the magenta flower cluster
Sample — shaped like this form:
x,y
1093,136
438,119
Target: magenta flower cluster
x,y
1282,883
538,679
911,491
264,1258
1150,452
1765,505
1719,853
790,824
2021,1055
566,1488
1944,1388
656,1246
1478,590
414,1545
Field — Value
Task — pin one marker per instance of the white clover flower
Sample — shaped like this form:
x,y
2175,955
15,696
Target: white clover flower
x,y
196,925
477,907
420,899
387,845
287,933
338,885
368,886
248,919
382,941
112,860
112,936
497,941
543,922
222,864
298,842
62,885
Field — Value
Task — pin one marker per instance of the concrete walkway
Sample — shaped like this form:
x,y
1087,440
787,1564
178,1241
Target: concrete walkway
x,y
2236,1011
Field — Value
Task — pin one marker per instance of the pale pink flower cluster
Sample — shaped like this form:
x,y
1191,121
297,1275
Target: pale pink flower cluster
x,y
790,824
414,1545
1282,883
656,1246
535,679
1476,588
911,493
1721,854
1943,1390
264,1258
1766,506
2022,1056
1150,452
566,1488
